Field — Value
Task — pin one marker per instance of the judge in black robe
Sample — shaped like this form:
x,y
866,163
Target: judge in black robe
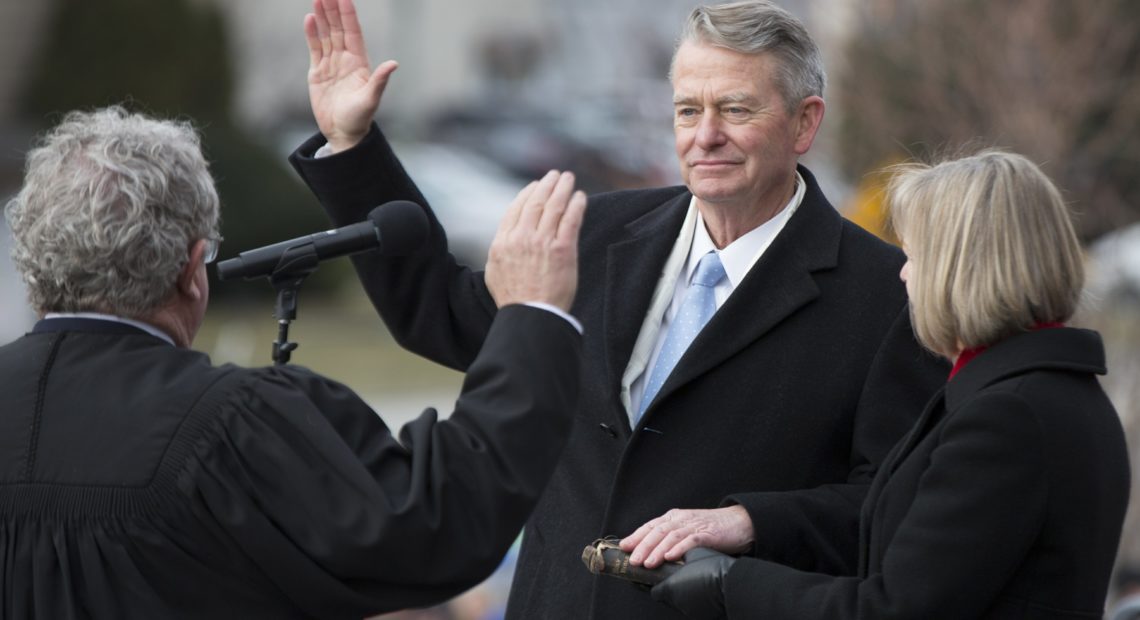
x,y
137,480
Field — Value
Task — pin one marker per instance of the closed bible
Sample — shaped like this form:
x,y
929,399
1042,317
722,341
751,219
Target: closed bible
x,y
604,557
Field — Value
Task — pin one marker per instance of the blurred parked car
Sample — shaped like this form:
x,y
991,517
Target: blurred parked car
x,y
468,192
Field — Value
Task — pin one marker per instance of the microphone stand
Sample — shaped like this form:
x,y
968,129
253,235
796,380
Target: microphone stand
x,y
296,264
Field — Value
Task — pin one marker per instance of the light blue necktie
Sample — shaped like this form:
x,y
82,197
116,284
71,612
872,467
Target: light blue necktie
x,y
696,310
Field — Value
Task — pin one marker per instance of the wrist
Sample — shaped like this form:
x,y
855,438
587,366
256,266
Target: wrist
x,y
742,525
336,146
338,142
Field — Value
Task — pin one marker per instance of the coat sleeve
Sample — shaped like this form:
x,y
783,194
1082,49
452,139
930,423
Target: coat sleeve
x,y
977,509
818,529
432,305
347,521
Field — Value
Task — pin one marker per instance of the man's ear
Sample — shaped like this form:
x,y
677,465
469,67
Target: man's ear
x,y
189,284
808,119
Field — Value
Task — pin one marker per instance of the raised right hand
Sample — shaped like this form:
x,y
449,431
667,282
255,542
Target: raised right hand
x,y
343,89
534,257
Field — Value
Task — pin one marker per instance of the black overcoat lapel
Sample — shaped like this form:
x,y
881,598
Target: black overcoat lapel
x,y
633,268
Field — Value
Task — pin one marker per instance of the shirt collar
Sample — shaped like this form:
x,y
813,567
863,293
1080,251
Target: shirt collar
x,y
739,256
98,316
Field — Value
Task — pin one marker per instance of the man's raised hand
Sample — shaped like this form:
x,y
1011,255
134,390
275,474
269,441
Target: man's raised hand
x,y
344,91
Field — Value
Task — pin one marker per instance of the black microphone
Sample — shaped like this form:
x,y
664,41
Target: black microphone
x,y
396,228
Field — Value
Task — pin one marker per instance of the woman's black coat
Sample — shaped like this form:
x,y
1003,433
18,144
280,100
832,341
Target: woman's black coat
x,y
1005,501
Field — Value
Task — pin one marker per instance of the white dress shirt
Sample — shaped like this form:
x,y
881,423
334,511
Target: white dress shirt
x,y
692,243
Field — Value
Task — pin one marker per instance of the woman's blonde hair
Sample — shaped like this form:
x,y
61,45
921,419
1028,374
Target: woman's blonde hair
x,y
991,247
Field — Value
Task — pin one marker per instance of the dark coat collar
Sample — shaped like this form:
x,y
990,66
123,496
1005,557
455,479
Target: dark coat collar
x,y
1062,348
664,219
95,326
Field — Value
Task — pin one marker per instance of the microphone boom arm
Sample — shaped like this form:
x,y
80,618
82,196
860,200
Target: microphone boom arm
x,y
396,228
296,264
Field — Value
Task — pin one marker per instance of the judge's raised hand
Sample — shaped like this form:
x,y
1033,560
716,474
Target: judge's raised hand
x,y
344,90
534,257
668,537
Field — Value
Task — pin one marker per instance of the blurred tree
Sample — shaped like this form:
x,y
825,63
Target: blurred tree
x,y
172,59
1053,79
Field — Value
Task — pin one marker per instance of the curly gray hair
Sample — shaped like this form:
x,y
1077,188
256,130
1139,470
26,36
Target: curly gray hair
x,y
111,203
757,26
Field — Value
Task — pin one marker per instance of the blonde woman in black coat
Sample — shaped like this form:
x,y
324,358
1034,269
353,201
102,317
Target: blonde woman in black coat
x,y
1006,499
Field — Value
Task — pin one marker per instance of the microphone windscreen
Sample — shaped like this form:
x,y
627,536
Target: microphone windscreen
x,y
402,225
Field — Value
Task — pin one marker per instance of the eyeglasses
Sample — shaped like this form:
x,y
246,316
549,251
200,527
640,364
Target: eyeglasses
x,y
212,245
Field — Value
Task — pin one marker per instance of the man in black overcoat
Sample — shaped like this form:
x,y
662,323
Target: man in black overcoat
x,y
804,377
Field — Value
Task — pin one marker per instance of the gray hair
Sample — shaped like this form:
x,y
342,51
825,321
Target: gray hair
x,y
991,246
111,203
758,26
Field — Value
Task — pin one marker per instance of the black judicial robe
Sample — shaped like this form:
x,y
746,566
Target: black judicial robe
x,y
139,481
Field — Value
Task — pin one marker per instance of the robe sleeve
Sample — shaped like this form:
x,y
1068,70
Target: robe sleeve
x,y
349,521
434,306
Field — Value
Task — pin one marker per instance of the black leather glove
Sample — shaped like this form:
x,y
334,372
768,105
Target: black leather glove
x,y
697,589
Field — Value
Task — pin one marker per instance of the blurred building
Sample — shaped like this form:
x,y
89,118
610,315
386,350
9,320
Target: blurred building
x,y
441,63
551,52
